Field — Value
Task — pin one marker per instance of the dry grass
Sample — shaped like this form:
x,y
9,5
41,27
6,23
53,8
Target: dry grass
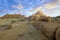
x,y
21,31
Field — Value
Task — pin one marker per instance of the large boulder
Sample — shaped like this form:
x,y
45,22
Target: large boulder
x,y
57,34
49,29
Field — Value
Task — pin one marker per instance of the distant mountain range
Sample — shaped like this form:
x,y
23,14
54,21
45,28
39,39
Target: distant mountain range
x,y
12,16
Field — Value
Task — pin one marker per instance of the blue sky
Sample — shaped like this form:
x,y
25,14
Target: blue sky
x,y
29,7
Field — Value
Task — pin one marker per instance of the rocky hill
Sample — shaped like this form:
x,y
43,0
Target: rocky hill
x,y
13,16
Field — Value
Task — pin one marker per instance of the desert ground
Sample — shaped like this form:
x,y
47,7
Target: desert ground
x,y
20,30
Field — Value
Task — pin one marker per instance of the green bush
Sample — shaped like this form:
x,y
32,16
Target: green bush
x,y
6,26
13,21
9,27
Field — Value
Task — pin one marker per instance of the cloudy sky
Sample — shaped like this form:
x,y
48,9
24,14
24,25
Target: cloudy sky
x,y
29,7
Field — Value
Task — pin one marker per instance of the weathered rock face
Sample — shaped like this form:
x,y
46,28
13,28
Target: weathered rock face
x,y
49,29
58,34
57,19
39,16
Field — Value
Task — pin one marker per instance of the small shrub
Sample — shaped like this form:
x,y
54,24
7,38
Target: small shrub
x,y
9,27
21,20
20,35
13,21
6,26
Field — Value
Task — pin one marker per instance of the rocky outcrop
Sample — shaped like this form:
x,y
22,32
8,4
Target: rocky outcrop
x,y
49,29
39,16
58,34
47,25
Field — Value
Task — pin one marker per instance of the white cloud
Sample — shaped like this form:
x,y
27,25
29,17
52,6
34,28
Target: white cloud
x,y
18,6
51,9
